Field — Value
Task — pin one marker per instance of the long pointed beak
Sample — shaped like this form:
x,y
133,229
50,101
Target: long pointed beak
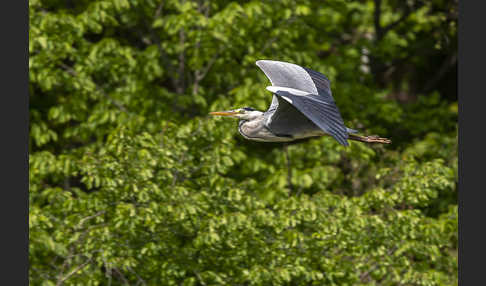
x,y
223,113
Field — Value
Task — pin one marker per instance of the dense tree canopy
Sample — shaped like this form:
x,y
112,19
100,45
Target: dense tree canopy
x,y
132,183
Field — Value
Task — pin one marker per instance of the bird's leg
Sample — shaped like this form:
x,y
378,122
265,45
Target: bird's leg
x,y
289,169
369,139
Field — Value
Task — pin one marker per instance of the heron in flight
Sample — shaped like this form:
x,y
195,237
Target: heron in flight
x,y
302,107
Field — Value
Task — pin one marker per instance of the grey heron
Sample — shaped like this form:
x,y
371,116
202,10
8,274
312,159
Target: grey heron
x,y
302,107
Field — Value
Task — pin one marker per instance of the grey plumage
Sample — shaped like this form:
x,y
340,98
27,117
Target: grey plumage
x,y
284,119
309,94
302,107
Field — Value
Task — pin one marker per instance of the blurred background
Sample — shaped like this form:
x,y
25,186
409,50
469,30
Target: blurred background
x,y
132,183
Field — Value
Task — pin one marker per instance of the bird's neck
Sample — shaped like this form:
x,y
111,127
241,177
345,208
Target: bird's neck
x,y
240,127
250,128
241,122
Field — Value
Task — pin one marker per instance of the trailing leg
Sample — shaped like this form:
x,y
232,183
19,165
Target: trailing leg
x,y
369,139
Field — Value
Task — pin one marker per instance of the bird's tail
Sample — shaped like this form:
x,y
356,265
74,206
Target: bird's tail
x,y
369,139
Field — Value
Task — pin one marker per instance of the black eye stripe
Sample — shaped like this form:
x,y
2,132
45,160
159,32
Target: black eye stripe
x,y
248,108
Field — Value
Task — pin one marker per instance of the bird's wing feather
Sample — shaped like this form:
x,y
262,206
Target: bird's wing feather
x,y
322,113
282,118
289,75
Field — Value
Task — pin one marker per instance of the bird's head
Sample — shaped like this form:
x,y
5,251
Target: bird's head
x,y
245,113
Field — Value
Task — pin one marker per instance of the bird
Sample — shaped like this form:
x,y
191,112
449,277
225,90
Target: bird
x,y
302,107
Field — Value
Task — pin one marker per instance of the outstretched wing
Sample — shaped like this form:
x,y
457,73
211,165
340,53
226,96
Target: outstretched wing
x,y
293,76
309,92
322,113
283,119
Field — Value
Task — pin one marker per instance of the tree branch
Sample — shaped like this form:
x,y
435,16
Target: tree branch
x,y
198,75
201,74
140,280
62,279
121,276
83,220
376,20
392,25
182,57
72,72
156,38
448,62
181,82
159,9
273,39
108,273
382,31
366,275
289,169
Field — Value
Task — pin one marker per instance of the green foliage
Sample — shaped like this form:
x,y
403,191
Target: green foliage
x,y
132,183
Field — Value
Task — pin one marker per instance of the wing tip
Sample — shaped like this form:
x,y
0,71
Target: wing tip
x,y
260,62
352,131
340,138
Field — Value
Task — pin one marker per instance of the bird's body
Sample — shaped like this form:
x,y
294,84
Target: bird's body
x,y
256,130
302,107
